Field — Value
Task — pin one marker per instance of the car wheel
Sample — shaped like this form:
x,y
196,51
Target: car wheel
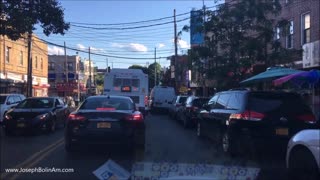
x,y
53,126
7,132
227,145
69,146
302,165
199,132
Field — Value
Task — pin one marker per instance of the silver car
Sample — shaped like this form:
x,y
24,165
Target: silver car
x,y
8,101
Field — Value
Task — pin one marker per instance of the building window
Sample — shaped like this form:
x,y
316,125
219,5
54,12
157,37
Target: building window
x,y
21,58
41,63
70,66
51,66
290,35
305,25
7,55
276,35
36,62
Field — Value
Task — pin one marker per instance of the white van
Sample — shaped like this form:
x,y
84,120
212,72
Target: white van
x,y
161,97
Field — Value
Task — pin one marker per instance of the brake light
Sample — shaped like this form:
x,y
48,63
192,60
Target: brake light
x,y
105,109
76,117
134,117
7,117
248,115
307,118
146,100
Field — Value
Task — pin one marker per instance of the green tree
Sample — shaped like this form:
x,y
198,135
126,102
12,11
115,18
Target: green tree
x,y
144,69
152,67
239,36
20,17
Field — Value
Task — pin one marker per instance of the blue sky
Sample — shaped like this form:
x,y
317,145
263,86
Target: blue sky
x,y
134,43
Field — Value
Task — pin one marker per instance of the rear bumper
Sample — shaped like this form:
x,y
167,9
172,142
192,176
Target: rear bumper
x,y
85,136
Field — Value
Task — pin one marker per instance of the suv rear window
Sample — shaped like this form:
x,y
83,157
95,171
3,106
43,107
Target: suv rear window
x,y
182,99
3,99
287,103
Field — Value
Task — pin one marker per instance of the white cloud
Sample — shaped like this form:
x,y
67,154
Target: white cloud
x,y
96,49
161,45
182,44
131,47
54,50
80,46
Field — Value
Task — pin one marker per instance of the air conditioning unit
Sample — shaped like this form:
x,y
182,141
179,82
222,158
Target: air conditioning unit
x,y
311,54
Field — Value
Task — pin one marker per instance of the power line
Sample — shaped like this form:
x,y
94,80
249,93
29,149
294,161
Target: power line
x,y
99,54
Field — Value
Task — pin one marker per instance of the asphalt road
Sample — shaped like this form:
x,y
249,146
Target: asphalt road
x,y
166,142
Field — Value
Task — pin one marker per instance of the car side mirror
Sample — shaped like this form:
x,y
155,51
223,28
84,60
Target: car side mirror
x,y
8,103
59,106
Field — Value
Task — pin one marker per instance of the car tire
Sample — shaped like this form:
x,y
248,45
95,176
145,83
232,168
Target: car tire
x,y
199,131
302,165
227,144
7,132
53,126
69,146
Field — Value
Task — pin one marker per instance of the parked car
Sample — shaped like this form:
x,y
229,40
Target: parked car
x,y
176,104
160,98
36,113
303,155
242,121
189,113
111,120
7,101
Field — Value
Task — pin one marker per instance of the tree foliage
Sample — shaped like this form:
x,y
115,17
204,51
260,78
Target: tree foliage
x,y
20,17
239,36
144,69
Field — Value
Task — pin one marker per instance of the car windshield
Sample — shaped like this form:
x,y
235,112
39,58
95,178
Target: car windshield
x,y
199,102
104,103
182,99
3,99
36,103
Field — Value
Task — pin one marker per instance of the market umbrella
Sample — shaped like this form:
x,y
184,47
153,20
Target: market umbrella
x,y
311,77
270,74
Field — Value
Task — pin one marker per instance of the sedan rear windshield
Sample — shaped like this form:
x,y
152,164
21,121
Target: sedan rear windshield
x,y
36,103
182,99
287,103
107,104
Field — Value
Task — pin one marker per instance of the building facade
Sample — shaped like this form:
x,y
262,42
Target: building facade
x,y
65,74
14,62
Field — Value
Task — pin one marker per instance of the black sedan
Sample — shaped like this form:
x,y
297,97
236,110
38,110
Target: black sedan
x,y
105,120
36,113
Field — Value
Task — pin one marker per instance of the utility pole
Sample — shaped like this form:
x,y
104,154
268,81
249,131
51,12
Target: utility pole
x,y
78,69
155,66
89,73
29,76
204,92
66,62
107,65
175,47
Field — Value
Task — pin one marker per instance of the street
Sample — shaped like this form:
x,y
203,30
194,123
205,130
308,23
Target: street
x,y
166,142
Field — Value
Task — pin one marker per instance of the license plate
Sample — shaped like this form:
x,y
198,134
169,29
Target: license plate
x,y
21,125
282,131
103,125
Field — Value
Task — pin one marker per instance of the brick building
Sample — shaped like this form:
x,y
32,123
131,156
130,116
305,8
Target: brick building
x,y
14,62
60,84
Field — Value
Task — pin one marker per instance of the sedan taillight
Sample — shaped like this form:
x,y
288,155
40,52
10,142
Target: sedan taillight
x,y
134,117
76,117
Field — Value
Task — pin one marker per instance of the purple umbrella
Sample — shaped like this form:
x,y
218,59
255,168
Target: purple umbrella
x,y
311,77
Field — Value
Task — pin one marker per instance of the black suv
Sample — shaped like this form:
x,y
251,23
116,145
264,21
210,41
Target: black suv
x,y
243,121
